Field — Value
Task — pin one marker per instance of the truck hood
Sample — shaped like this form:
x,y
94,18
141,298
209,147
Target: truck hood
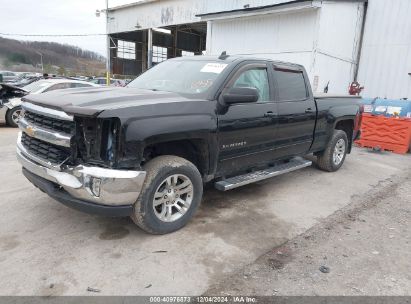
x,y
92,101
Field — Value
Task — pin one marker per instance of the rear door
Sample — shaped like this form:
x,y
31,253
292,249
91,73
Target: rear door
x,y
246,131
296,111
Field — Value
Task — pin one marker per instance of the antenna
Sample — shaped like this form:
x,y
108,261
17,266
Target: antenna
x,y
223,55
326,87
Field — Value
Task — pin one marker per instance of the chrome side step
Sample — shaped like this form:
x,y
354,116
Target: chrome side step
x,y
248,178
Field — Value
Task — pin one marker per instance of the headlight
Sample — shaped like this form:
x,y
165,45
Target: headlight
x,y
97,139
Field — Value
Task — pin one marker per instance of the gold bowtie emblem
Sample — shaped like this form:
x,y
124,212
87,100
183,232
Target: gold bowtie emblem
x,y
30,130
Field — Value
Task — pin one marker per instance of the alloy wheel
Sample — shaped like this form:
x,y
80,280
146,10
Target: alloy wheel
x,y
173,198
339,152
15,116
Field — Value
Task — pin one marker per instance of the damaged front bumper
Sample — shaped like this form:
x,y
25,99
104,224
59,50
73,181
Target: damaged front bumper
x,y
89,189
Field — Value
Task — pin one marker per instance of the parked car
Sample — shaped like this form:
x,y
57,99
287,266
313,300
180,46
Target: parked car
x,y
9,76
113,82
11,105
146,150
7,113
25,79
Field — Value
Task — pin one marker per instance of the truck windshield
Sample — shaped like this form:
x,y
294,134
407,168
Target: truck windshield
x,y
183,77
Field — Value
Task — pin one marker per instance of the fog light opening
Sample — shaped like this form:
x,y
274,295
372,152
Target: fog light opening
x,y
95,186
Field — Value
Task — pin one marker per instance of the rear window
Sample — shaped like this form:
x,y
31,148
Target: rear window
x,y
80,85
290,84
36,86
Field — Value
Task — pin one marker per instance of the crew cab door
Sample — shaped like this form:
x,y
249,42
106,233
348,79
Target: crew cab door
x,y
246,131
296,111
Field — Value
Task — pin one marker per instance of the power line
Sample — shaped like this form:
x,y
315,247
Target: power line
x,y
51,35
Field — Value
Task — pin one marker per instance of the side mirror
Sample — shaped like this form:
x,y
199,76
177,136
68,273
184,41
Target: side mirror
x,y
240,95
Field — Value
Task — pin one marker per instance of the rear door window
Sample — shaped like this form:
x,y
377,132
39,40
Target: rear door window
x,y
290,84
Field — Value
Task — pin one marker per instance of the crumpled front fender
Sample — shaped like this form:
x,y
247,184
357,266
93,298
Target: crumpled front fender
x,y
12,103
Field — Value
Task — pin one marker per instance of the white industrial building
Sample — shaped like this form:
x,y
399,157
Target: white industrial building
x,y
337,41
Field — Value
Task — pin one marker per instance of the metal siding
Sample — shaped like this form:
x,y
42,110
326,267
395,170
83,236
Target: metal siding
x,y
171,12
267,36
337,45
386,53
338,73
324,40
339,29
212,6
155,14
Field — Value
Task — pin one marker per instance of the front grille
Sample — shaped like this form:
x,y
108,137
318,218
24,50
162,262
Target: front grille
x,y
49,122
54,154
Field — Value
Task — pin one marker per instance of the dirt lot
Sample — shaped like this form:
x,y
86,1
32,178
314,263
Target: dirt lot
x,y
362,249
49,249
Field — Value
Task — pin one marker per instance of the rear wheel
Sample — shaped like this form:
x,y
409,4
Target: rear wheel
x,y
332,158
13,116
170,196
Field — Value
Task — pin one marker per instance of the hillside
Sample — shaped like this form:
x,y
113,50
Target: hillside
x,y
58,58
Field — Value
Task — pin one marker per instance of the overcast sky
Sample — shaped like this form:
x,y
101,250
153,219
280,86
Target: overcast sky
x,y
57,17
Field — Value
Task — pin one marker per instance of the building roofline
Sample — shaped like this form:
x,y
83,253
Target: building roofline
x,y
251,9
256,8
141,2
137,3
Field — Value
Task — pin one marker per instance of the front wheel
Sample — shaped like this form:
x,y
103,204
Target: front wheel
x,y
332,158
171,194
13,116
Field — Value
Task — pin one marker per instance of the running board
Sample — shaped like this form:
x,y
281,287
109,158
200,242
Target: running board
x,y
248,178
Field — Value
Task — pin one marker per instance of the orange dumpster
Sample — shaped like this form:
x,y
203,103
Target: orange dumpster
x,y
385,133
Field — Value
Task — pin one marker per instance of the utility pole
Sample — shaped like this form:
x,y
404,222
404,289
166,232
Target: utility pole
x,y
41,60
149,48
108,63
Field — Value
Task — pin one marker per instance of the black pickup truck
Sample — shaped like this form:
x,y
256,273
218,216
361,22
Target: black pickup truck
x,y
147,150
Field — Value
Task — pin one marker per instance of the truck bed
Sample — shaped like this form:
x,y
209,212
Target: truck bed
x,y
325,95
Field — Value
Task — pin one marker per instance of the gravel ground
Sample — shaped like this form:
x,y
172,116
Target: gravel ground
x,y
362,249
48,249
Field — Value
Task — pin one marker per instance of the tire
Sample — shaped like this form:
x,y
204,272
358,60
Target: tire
x,y
163,173
328,160
11,116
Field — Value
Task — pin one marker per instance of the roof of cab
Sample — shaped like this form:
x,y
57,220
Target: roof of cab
x,y
234,58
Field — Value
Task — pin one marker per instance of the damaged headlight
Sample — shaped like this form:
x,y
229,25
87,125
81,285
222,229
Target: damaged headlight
x,y
108,140
96,140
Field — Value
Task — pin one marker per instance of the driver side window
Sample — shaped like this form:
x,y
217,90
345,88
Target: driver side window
x,y
255,78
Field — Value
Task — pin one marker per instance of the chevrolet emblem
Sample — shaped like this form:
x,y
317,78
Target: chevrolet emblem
x,y
30,130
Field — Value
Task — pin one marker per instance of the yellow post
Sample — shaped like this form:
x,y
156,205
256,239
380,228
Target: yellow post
x,y
108,63
108,78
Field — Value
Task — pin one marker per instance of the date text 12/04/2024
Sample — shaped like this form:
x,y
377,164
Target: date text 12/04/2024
x,y
204,299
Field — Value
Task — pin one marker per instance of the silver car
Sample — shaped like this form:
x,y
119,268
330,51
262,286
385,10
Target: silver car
x,y
11,109
9,76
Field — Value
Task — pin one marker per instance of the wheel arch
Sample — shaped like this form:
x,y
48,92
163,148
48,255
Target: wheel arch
x,y
195,150
8,111
346,125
